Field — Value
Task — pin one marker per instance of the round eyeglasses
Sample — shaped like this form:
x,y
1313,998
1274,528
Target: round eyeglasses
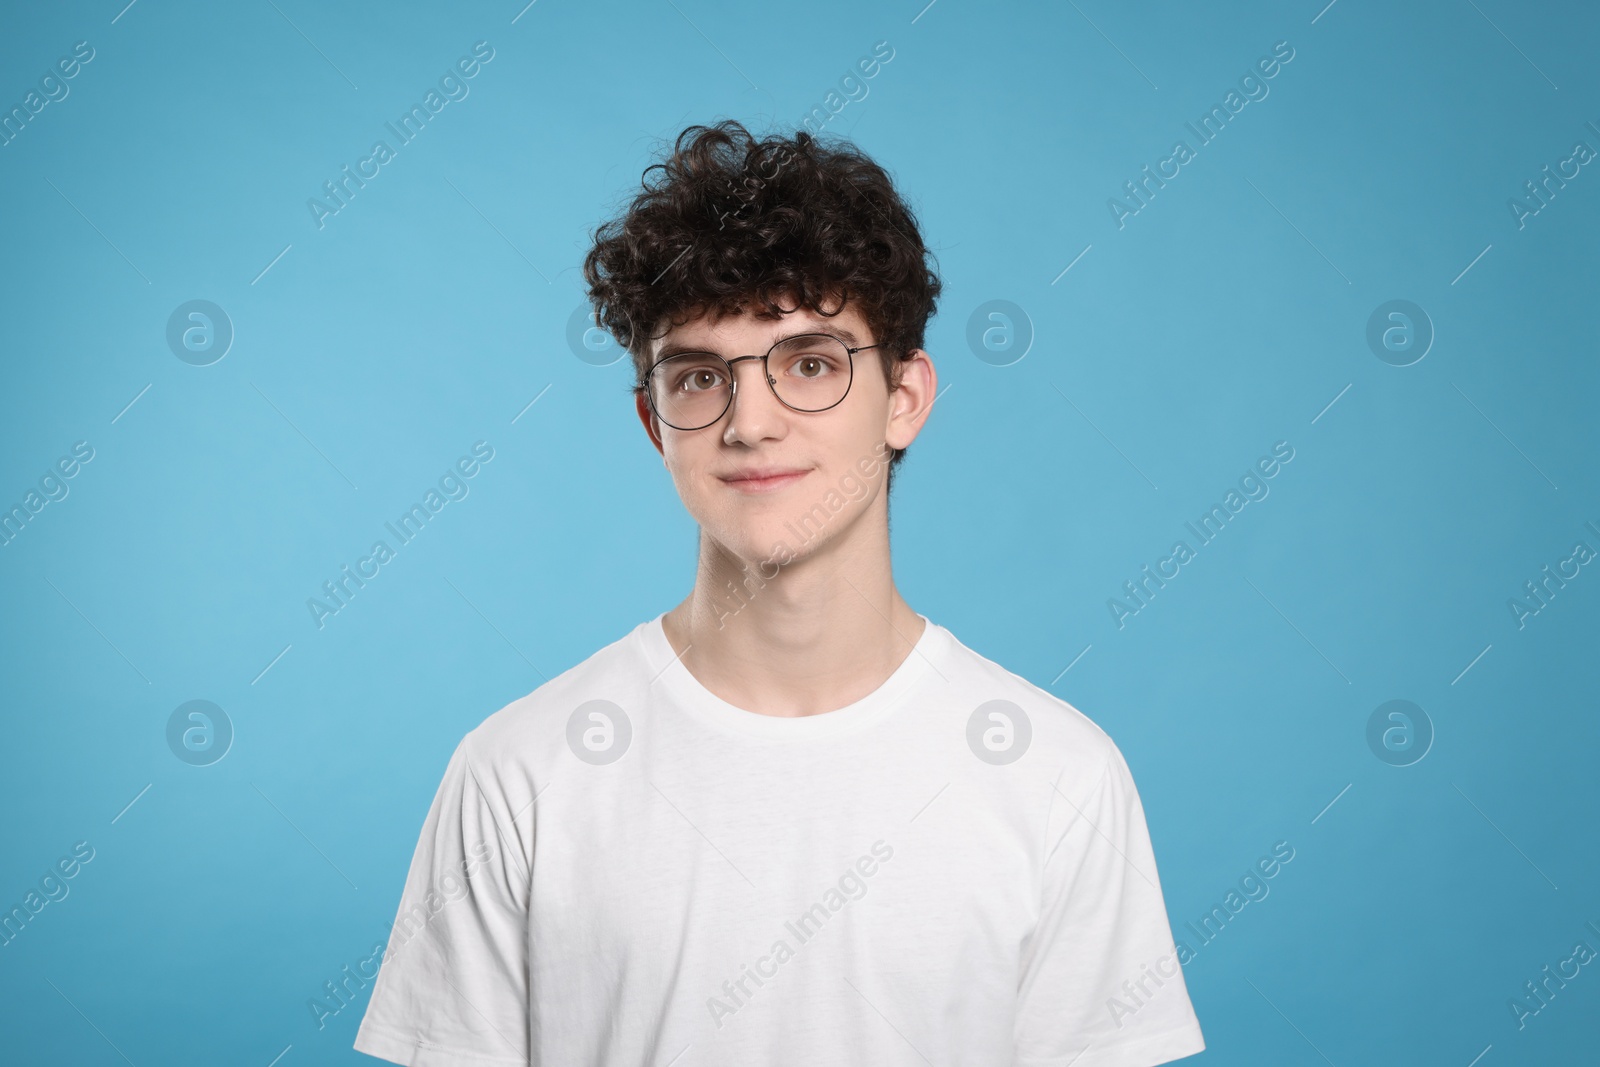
x,y
808,372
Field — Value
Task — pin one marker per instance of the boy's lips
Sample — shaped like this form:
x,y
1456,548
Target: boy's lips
x,y
762,479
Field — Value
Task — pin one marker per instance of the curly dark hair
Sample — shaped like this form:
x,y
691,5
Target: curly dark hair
x,y
731,222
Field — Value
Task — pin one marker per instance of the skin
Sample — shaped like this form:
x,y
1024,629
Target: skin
x,y
830,626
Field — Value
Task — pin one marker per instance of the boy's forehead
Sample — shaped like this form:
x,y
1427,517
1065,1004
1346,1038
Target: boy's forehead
x,y
712,326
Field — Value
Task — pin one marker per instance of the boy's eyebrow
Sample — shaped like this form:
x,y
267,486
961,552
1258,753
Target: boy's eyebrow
x,y
673,348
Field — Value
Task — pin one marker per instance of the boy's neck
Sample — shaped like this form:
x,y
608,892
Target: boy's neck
x,y
825,631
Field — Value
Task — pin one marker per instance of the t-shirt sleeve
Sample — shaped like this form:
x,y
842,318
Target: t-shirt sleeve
x,y
452,990
1102,985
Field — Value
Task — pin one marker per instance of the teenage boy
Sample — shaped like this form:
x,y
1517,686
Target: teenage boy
x,y
791,820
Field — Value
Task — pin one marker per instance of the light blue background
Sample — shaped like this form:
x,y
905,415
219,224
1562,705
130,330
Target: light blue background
x,y
1225,316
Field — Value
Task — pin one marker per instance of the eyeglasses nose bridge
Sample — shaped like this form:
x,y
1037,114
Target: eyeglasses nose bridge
x,y
733,379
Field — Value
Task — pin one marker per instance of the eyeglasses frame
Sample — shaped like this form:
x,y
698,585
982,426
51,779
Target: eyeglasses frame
x,y
733,380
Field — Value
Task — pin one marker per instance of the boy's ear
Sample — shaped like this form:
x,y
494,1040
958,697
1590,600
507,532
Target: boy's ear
x,y
641,404
913,395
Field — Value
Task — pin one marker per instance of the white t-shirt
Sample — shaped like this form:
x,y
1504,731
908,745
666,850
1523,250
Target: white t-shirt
x,y
622,868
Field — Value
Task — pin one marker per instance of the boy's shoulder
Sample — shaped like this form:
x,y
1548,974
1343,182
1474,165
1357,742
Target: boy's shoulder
x,y
534,726
1055,731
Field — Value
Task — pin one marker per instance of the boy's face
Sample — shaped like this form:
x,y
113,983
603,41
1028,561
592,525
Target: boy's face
x,y
833,463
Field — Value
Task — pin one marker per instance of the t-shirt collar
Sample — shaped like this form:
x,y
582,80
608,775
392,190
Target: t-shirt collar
x,y
685,691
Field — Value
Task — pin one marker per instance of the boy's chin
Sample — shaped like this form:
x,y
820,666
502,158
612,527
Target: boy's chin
x,y
767,545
